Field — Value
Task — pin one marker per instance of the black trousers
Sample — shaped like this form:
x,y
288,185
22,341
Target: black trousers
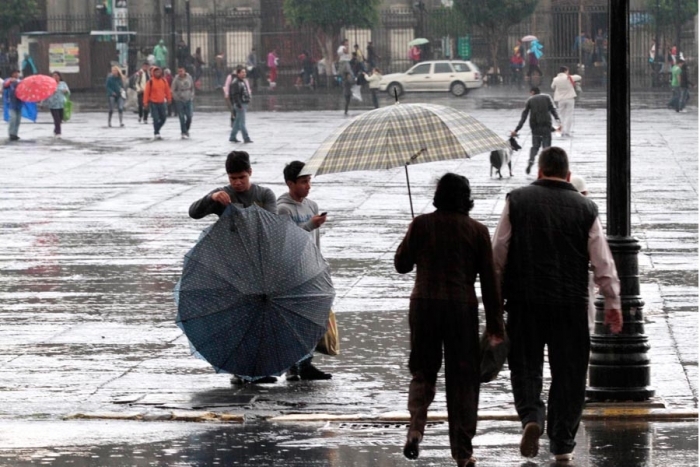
x,y
455,326
564,330
143,113
57,115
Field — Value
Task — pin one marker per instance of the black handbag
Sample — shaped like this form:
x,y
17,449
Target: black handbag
x,y
492,357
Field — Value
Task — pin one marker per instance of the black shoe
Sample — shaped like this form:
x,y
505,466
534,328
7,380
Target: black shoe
x,y
311,373
248,141
529,166
293,374
237,381
234,140
410,449
265,380
14,138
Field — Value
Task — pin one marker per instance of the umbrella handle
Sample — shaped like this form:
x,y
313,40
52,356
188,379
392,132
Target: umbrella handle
x,y
408,183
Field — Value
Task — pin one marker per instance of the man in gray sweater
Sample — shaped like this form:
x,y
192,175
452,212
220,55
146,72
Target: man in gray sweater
x,y
304,213
539,106
182,89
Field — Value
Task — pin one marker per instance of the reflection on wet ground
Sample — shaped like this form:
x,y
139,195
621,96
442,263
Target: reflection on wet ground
x,y
609,444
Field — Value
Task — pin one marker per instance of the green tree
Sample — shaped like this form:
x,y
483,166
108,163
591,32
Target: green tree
x,y
328,17
671,15
16,13
448,22
493,18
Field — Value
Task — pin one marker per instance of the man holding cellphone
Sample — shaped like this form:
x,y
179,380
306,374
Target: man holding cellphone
x,y
304,212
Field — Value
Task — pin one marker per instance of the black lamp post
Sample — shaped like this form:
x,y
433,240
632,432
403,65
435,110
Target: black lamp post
x,y
619,367
189,30
170,9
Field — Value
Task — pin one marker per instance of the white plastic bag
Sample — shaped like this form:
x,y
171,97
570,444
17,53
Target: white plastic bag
x,y
357,92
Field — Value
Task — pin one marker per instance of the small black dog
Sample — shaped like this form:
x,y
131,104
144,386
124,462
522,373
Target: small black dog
x,y
502,156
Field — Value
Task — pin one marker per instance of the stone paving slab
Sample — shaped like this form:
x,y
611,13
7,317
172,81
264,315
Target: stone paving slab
x,y
95,227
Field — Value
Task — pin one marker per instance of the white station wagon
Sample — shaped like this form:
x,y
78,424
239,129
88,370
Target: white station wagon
x,y
456,76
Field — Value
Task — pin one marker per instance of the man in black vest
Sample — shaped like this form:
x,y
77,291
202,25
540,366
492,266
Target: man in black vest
x,y
547,237
539,106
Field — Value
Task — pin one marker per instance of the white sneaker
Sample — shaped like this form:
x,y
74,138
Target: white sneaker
x,y
564,458
182,136
157,137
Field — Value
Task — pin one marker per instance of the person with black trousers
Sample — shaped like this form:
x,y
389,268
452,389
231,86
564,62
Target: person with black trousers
x,y
348,83
539,107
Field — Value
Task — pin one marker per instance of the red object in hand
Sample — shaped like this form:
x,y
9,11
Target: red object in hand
x,y
36,88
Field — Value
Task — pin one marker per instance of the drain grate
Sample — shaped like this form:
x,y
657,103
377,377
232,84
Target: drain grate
x,y
380,426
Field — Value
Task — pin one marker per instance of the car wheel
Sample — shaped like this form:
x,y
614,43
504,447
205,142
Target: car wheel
x,y
394,89
458,89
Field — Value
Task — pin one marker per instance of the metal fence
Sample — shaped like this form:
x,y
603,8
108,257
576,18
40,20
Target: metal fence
x,y
234,34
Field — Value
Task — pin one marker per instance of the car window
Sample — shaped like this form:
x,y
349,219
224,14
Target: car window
x,y
422,69
443,68
461,67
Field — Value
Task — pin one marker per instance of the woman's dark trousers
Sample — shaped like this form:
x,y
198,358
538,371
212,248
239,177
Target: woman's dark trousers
x,y
57,115
454,325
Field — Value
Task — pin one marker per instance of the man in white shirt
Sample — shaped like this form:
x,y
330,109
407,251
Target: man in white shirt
x,y
546,238
344,57
564,96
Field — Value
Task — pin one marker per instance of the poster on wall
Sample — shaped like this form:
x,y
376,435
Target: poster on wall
x,y
64,57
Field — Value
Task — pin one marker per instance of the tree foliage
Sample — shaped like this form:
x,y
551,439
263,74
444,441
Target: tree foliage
x,y
493,18
328,17
672,12
16,13
447,21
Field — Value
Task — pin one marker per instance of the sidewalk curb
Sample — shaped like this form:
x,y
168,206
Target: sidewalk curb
x,y
610,413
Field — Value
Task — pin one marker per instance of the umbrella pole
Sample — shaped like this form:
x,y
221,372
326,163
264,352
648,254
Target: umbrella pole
x,y
408,183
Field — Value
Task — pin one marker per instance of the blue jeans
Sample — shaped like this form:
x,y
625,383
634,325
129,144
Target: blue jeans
x,y
159,113
184,112
15,117
239,124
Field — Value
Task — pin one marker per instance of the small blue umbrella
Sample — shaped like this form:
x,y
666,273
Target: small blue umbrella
x,y
255,294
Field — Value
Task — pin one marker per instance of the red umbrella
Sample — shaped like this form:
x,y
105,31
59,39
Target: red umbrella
x,y
36,88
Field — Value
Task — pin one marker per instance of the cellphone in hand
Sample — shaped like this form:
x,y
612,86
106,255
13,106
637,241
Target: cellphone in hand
x,y
323,214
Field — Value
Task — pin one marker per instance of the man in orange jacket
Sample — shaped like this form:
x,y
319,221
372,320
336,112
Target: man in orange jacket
x,y
157,96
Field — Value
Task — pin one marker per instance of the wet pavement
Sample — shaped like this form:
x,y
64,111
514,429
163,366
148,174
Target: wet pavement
x,y
95,225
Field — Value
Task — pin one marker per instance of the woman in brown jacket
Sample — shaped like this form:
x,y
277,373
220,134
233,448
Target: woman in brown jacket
x,y
448,249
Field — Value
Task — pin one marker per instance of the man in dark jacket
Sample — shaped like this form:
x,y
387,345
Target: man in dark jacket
x,y
239,192
239,93
539,106
546,238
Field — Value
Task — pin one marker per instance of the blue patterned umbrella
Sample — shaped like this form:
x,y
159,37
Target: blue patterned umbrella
x,y
254,295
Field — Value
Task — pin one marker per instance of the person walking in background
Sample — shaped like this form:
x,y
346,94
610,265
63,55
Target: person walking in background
x,y
14,104
372,56
157,96
168,77
141,78
160,53
565,98
539,107
304,212
685,85
13,58
116,93
344,57
374,79
414,54
547,236
272,63
448,249
675,102
240,98
219,70
28,66
348,83
56,102
182,90
198,63
252,68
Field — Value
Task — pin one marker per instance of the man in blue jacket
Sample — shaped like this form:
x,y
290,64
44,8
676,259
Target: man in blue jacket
x,y
15,105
